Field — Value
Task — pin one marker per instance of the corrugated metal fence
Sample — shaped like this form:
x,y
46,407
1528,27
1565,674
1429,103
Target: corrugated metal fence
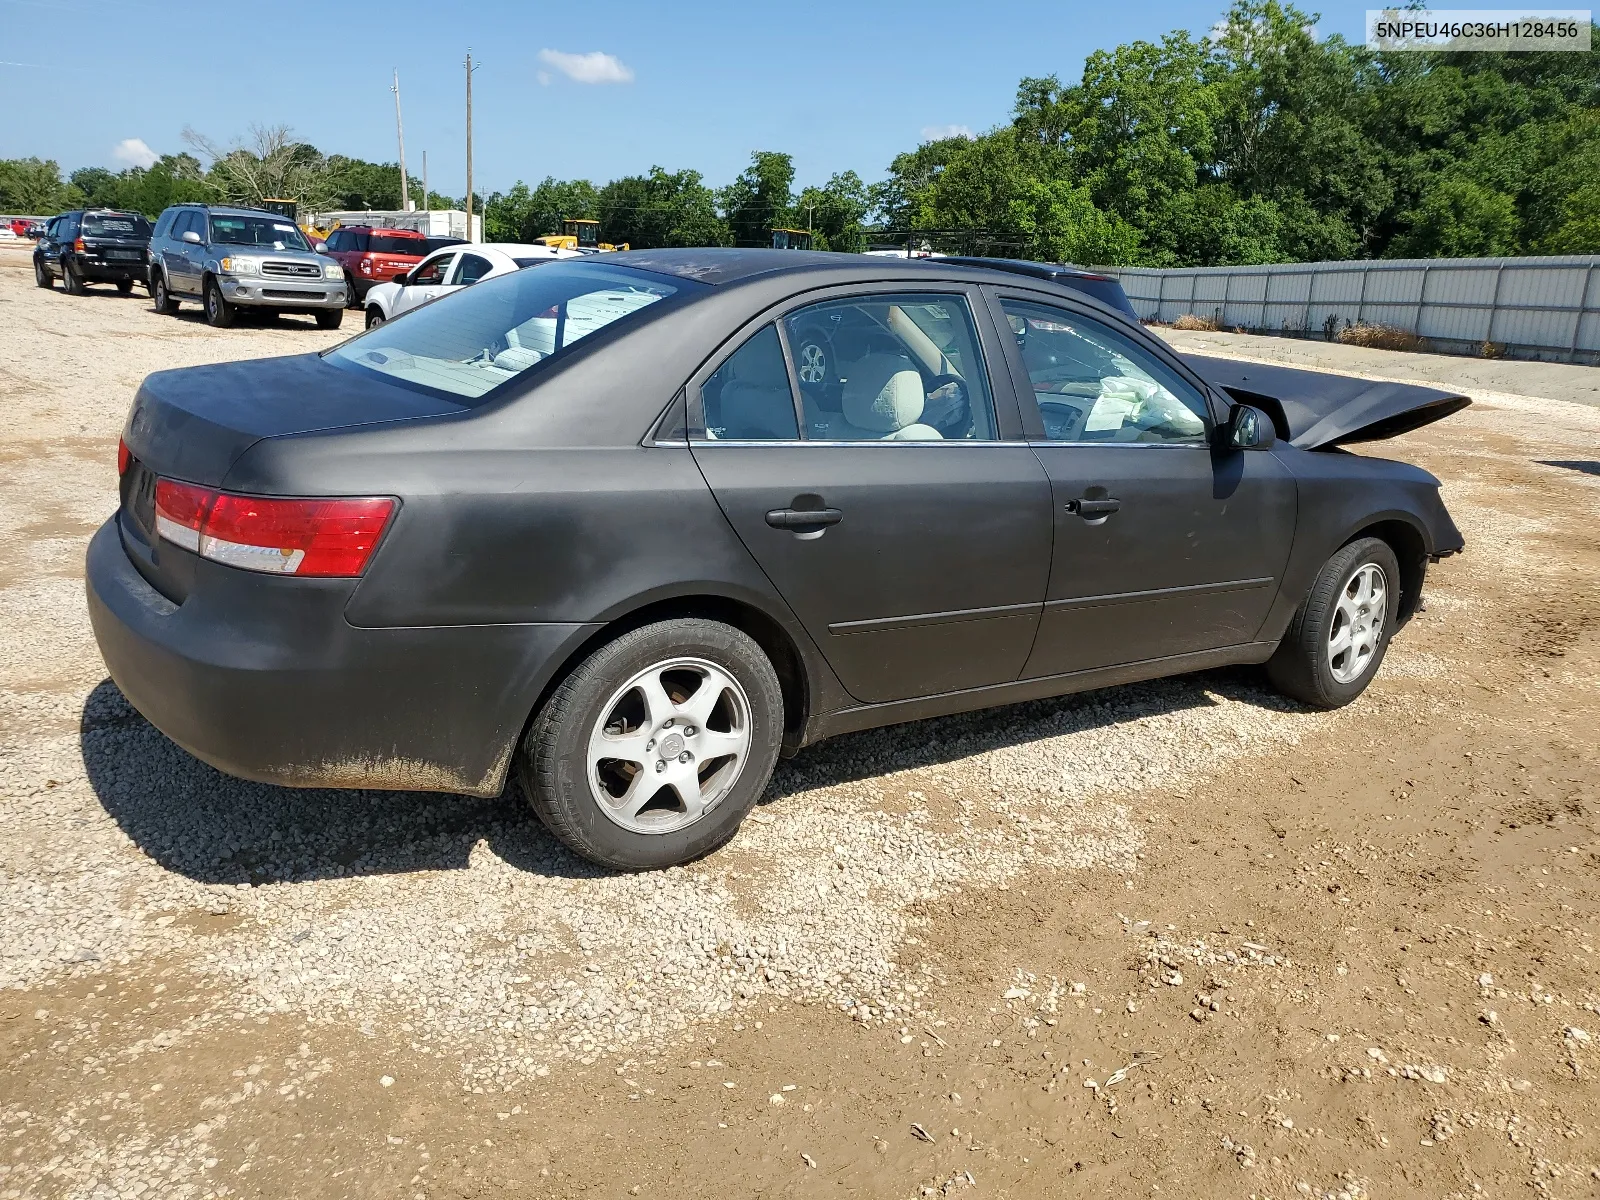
x,y
1520,307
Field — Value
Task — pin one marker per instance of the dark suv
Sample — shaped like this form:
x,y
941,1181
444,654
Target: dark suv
x,y
95,245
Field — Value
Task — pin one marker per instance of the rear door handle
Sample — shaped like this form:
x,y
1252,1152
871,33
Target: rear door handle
x,y
1091,509
804,519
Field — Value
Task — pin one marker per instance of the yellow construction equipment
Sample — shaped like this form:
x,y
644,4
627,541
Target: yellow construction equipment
x,y
578,233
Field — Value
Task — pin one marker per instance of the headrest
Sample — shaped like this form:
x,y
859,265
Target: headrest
x,y
883,393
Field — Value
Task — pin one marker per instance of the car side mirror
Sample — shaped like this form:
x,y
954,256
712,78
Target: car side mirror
x,y
191,237
401,277
322,247
1248,428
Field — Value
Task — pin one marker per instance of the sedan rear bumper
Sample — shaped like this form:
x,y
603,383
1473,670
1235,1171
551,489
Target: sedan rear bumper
x,y
264,678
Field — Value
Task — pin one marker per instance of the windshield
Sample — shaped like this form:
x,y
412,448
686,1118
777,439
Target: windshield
x,y
471,342
116,226
270,233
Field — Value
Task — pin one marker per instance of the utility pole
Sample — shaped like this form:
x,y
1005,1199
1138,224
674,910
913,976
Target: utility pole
x,y
470,70
425,205
400,132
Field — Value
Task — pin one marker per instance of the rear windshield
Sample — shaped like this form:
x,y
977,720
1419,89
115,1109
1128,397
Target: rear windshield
x,y
388,243
439,243
272,233
116,226
1108,291
466,345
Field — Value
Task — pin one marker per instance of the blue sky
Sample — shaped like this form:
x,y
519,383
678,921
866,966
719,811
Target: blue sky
x,y
608,90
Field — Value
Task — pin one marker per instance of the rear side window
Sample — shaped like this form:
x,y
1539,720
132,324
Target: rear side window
x,y
470,269
889,367
748,399
469,344
388,243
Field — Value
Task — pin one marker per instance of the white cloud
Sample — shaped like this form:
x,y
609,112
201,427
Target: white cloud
x,y
132,152
594,67
937,133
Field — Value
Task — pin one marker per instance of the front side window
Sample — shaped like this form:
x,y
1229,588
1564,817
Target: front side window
x,y
748,398
267,233
471,343
891,367
432,271
1095,385
470,269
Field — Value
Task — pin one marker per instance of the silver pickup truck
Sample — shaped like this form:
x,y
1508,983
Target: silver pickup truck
x,y
228,258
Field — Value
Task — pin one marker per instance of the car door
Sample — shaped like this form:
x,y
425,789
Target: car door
x,y
1163,545
916,558
425,283
50,244
180,258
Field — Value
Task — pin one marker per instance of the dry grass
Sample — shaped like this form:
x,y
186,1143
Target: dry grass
x,y
1191,321
1379,337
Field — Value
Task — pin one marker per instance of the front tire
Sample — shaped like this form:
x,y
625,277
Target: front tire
x,y
374,317
40,275
652,751
164,303
1340,633
219,313
125,287
330,318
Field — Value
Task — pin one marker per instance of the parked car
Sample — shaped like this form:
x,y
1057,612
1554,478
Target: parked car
x,y
449,270
241,258
439,243
371,256
97,245
585,523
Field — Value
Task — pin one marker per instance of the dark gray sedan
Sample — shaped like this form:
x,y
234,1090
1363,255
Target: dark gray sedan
x,y
635,525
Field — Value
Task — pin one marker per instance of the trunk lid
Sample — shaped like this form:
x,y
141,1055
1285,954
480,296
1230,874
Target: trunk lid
x,y
193,424
1318,409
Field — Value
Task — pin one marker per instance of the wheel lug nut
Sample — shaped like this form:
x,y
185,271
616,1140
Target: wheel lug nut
x,y
650,745
661,765
690,731
684,757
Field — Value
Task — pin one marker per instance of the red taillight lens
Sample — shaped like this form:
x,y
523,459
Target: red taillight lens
x,y
78,245
124,457
322,538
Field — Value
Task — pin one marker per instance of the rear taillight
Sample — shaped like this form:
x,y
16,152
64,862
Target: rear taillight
x,y
323,538
124,457
78,245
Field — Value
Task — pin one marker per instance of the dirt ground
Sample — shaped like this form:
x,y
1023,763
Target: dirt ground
x,y
1194,941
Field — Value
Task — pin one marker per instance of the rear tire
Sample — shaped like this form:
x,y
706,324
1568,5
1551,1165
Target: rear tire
x,y
40,275
713,747
162,298
329,318
1340,633
374,316
71,281
219,313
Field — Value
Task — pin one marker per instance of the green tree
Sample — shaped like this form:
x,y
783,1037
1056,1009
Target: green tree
x,y
759,199
663,208
33,186
1460,218
835,212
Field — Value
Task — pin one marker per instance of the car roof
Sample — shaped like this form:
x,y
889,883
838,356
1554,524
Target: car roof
x,y
416,233
721,265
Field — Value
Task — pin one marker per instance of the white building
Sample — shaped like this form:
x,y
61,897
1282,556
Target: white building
x,y
438,222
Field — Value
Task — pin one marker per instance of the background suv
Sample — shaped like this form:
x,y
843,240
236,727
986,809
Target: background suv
x,y
371,256
228,258
92,246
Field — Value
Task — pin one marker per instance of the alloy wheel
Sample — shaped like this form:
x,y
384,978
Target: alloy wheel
x,y
669,745
1359,616
812,364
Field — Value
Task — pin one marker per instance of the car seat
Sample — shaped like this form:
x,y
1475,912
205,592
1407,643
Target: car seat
x,y
883,399
754,402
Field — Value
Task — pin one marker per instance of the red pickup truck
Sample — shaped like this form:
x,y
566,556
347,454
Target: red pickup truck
x,y
371,256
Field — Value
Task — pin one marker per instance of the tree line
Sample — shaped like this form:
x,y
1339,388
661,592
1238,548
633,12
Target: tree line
x,y
1256,143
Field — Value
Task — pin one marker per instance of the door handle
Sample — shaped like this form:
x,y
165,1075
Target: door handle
x,y
804,519
1091,510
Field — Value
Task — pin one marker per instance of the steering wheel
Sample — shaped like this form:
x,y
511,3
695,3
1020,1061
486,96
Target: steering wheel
x,y
960,418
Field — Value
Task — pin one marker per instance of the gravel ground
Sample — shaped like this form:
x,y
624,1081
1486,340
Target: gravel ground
x,y
455,933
